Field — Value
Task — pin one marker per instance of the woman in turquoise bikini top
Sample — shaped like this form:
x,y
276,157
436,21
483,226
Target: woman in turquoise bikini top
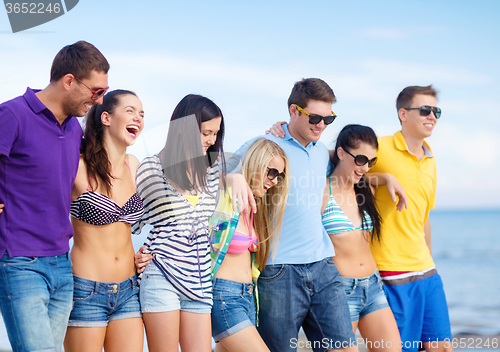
x,y
351,219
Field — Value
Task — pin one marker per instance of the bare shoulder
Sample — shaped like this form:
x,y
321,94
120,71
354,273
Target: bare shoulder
x,y
133,162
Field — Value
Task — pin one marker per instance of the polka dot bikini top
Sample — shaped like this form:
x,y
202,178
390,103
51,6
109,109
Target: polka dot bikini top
x,y
97,209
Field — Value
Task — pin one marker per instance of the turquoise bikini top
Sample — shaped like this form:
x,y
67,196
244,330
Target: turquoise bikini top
x,y
335,221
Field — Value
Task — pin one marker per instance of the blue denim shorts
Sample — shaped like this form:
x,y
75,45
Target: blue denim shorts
x,y
95,303
159,295
364,296
233,309
308,295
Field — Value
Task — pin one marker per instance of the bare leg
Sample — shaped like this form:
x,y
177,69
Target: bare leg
x,y
380,330
220,347
125,335
84,339
195,332
245,340
162,331
352,348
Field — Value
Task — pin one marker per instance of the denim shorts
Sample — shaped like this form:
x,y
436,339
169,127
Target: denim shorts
x,y
233,309
95,303
159,295
364,296
308,295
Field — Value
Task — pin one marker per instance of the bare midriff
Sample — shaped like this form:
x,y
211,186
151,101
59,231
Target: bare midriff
x,y
102,253
353,257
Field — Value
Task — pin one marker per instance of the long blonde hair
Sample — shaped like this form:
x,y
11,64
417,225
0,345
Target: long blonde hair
x,y
271,206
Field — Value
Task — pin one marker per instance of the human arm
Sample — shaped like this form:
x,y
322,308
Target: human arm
x,y
241,196
1,208
240,189
142,259
427,231
326,196
276,129
396,191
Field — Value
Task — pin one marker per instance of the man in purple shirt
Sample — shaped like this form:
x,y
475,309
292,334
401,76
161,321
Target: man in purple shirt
x,y
39,154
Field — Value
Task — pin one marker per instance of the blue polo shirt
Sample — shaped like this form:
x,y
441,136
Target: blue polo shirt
x,y
38,165
303,238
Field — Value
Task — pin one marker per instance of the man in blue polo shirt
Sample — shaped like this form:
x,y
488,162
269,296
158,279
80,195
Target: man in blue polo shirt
x,y
299,285
39,154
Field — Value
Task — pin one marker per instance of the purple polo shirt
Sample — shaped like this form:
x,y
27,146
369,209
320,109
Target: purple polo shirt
x,y
38,164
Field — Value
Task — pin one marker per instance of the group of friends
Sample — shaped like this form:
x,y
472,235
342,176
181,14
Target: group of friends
x,y
245,249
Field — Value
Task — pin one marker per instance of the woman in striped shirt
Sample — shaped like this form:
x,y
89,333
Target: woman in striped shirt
x,y
351,219
179,188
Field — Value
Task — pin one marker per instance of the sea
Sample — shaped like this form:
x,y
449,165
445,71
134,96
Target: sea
x,y
466,250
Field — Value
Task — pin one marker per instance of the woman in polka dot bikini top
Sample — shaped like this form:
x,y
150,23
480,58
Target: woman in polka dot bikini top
x,y
106,308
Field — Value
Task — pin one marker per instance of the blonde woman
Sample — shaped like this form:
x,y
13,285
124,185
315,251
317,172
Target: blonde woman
x,y
242,245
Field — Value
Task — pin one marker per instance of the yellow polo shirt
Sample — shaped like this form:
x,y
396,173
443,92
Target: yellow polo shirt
x,y
403,246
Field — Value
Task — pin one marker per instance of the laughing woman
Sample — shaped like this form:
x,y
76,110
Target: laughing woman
x,y
106,309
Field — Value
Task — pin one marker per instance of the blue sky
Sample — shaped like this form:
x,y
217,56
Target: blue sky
x,y
247,55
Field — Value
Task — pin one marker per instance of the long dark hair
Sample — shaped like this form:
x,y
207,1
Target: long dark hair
x,y
349,138
182,157
92,149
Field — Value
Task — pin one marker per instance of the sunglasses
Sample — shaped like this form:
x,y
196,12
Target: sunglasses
x,y
315,119
273,173
361,160
96,94
425,110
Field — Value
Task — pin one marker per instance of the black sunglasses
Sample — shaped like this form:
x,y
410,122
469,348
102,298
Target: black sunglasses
x,y
273,173
361,159
315,119
425,110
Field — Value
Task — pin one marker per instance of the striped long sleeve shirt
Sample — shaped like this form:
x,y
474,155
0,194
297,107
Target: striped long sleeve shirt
x,y
179,239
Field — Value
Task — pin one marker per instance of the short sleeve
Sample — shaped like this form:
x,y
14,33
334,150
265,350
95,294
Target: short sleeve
x,y
10,130
434,186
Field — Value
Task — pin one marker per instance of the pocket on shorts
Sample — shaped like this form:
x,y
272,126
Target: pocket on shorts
x,y
348,286
272,272
20,261
82,293
227,297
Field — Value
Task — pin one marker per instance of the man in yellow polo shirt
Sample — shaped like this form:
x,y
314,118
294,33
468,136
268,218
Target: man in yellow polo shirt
x,y
404,258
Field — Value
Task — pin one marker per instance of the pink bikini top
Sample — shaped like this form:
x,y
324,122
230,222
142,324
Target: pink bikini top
x,y
241,241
